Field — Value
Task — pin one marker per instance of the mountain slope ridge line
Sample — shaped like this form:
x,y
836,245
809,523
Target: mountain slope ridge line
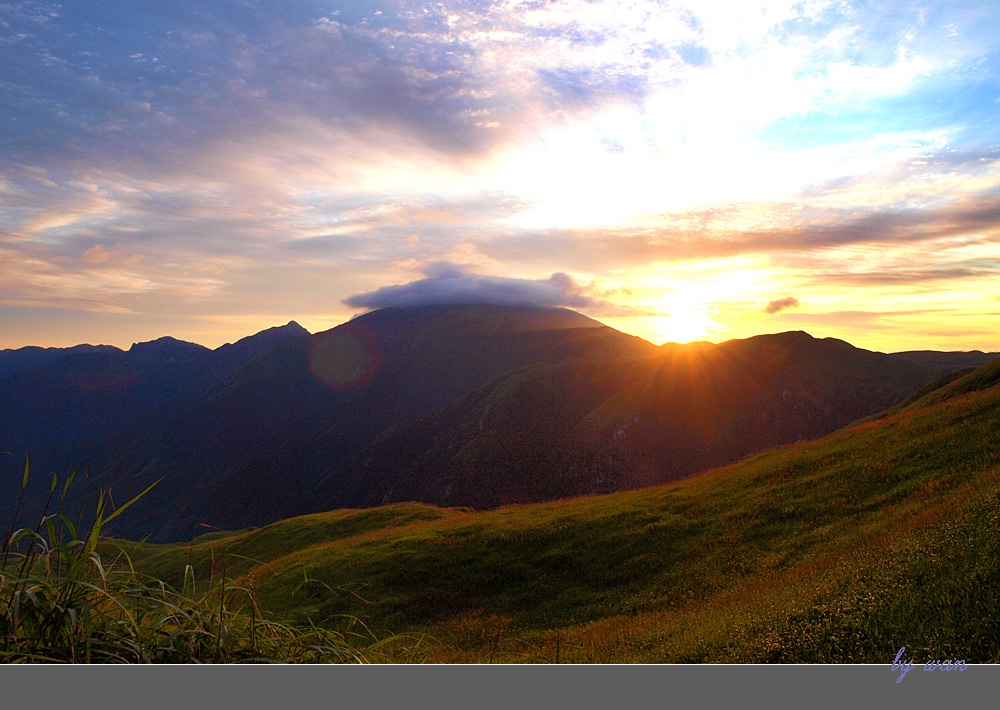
x,y
476,406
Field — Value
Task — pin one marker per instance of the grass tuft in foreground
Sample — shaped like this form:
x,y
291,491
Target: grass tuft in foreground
x,y
60,601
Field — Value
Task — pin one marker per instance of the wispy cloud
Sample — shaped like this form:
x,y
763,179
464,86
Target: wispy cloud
x,y
780,304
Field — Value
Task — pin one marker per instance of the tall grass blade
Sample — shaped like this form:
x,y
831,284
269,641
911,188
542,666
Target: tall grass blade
x,y
125,507
69,482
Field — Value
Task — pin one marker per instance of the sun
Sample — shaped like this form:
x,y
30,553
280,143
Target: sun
x,y
684,324
687,302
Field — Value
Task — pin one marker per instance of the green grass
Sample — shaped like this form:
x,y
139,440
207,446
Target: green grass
x,y
69,597
838,550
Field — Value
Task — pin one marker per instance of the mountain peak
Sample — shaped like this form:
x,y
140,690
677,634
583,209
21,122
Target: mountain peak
x,y
290,329
166,349
788,336
251,346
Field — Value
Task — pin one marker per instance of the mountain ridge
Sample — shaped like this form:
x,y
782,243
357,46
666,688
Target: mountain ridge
x,y
588,429
506,404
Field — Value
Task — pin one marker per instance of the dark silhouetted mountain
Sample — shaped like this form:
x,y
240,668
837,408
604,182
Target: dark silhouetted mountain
x,y
14,361
948,361
545,432
475,405
165,351
87,405
246,349
258,444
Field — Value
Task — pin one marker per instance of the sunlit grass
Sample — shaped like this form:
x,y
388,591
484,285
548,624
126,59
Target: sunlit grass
x,y
845,549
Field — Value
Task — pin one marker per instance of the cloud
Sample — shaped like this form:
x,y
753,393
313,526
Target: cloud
x,y
232,157
98,254
786,232
448,283
780,304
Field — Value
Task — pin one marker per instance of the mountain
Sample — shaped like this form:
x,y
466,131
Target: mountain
x,y
88,394
14,361
237,354
473,405
166,351
254,448
553,431
948,361
82,406
838,550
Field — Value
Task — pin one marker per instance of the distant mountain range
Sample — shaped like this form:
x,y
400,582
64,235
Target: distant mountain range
x,y
454,405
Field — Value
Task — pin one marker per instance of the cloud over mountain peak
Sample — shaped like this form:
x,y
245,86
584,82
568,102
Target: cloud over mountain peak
x,y
448,283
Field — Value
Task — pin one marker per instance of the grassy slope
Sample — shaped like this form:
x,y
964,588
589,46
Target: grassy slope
x,y
842,549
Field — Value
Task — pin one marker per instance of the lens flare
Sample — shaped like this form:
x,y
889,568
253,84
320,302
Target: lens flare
x,y
345,358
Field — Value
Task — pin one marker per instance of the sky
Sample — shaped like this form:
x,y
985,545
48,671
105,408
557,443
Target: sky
x,y
682,171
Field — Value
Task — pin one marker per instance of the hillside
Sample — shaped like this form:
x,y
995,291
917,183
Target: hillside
x,y
471,405
843,549
552,431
